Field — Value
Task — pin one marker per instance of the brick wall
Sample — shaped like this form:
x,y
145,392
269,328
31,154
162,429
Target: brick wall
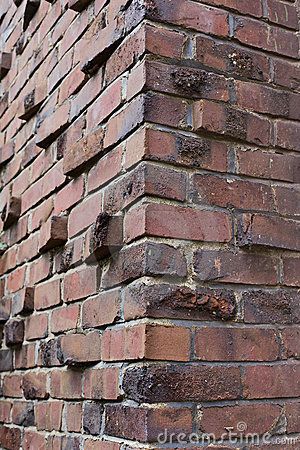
x,y
150,270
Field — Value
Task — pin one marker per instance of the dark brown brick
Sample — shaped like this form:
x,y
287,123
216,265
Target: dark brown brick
x,y
14,332
172,383
11,212
53,233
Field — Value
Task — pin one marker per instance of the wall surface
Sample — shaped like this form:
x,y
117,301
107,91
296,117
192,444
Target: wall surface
x,y
150,268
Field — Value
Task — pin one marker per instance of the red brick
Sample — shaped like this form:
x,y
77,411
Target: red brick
x,y
191,15
266,231
53,125
54,233
48,415
5,408
68,196
287,135
32,439
226,120
291,271
282,14
81,283
64,319
259,417
178,149
229,267
35,385
66,384
47,294
274,381
146,341
101,384
146,179
290,338
236,344
292,413
73,416
144,260
272,166
10,438
15,280
271,307
36,327
12,386
25,357
82,151
177,222
105,105
76,349
23,414
146,424
101,310
270,38
106,169
39,269
84,214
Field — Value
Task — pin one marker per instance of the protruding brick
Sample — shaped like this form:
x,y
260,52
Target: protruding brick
x,y
5,63
14,332
82,151
30,10
11,212
105,237
53,233
78,5
23,301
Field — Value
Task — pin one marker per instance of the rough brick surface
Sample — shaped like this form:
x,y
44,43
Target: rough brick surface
x,y
149,224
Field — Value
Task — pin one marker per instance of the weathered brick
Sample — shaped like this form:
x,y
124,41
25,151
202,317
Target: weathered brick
x,y
241,267
81,283
255,229
66,384
176,222
36,327
10,438
104,238
145,260
35,385
101,310
92,417
11,212
172,383
102,383
47,294
74,349
282,381
228,121
81,152
271,306
48,415
146,424
23,301
23,414
236,344
14,332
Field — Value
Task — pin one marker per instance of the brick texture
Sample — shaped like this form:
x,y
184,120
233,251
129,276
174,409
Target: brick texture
x,y
149,224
